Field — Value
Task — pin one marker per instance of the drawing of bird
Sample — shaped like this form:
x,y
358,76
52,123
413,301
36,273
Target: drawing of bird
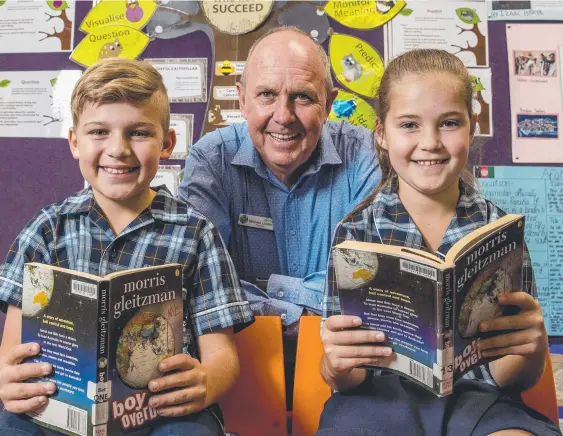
x,y
352,69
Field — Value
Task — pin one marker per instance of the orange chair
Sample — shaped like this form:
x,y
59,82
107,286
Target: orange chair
x,y
311,392
542,397
255,406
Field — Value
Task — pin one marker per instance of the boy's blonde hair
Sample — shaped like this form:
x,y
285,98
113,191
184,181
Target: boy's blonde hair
x,y
417,62
120,80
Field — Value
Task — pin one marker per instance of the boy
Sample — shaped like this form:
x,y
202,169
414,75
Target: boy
x,y
120,132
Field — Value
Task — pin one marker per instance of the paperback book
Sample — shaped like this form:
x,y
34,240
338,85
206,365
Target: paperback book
x,y
104,337
430,308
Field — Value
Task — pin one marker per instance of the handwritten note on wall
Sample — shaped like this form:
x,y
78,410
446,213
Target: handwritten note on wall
x,y
536,192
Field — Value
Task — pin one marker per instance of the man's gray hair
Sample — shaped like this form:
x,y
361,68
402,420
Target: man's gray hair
x,y
329,85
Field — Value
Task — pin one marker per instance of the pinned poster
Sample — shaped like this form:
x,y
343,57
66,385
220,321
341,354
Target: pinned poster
x,y
536,192
356,64
482,100
534,64
132,13
168,175
185,78
353,109
236,17
36,26
458,27
363,14
108,42
183,125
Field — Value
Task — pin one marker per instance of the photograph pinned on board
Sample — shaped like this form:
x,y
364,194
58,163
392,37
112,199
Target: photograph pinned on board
x,y
535,63
537,126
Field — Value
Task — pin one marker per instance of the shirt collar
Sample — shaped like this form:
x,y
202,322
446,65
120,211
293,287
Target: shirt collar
x,y
164,206
395,226
248,156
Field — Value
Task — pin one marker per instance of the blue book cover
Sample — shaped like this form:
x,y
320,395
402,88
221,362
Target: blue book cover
x,y
104,338
428,307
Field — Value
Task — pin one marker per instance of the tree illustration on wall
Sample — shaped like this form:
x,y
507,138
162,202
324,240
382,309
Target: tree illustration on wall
x,y
469,16
65,34
484,113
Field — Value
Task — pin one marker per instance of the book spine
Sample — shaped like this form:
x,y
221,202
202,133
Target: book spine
x,y
103,386
447,331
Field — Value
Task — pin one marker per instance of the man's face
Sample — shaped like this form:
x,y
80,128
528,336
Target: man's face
x,y
284,101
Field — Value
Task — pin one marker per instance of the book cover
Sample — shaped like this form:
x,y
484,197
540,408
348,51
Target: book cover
x,y
430,308
489,268
104,338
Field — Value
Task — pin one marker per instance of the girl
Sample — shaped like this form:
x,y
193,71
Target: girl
x,y
424,128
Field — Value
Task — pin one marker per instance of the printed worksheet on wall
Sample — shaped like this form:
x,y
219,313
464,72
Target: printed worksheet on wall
x,y
536,192
534,71
459,27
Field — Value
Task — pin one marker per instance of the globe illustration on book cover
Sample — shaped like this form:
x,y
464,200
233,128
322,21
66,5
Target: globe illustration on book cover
x,y
146,340
357,267
481,302
41,282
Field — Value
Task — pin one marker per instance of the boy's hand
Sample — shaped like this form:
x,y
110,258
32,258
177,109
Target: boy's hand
x,y
21,397
347,347
529,337
189,384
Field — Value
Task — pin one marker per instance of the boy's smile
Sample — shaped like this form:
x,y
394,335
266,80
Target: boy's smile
x,y
118,147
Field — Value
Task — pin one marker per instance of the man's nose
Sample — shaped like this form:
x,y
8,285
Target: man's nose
x,y
284,111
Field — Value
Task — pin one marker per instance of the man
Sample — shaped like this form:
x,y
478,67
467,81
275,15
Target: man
x,y
277,185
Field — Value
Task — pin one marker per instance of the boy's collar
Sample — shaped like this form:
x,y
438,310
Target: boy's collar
x,y
164,206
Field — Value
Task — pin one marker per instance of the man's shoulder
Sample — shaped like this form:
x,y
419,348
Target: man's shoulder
x,y
344,133
222,141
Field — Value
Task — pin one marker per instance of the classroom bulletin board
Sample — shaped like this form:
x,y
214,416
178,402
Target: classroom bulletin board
x,y
208,41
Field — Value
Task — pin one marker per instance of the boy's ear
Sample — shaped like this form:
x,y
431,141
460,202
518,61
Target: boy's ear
x,y
73,142
379,134
168,144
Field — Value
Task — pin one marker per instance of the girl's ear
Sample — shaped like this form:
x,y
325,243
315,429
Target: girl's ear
x,y
380,134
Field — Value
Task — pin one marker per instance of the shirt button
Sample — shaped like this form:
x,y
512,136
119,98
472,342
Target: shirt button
x,y
113,254
292,232
280,294
294,267
283,316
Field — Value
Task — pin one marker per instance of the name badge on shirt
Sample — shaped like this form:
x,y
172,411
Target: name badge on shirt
x,y
258,222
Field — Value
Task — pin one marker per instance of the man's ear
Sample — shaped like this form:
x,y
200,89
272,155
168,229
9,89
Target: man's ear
x,y
330,99
73,142
241,99
380,134
168,144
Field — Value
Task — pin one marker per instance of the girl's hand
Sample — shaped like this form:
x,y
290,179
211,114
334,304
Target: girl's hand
x,y
19,397
529,337
189,383
346,347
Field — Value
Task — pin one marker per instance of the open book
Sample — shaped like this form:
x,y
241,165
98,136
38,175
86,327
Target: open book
x,y
429,308
105,337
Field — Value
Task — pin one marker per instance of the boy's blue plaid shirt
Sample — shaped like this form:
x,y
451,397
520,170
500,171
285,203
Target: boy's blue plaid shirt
x,y
75,234
387,221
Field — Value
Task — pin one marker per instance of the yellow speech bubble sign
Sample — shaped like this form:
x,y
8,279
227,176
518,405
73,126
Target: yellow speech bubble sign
x,y
108,42
354,109
356,64
132,13
363,14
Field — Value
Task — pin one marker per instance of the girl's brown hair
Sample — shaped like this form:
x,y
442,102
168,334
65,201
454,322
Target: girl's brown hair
x,y
418,62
